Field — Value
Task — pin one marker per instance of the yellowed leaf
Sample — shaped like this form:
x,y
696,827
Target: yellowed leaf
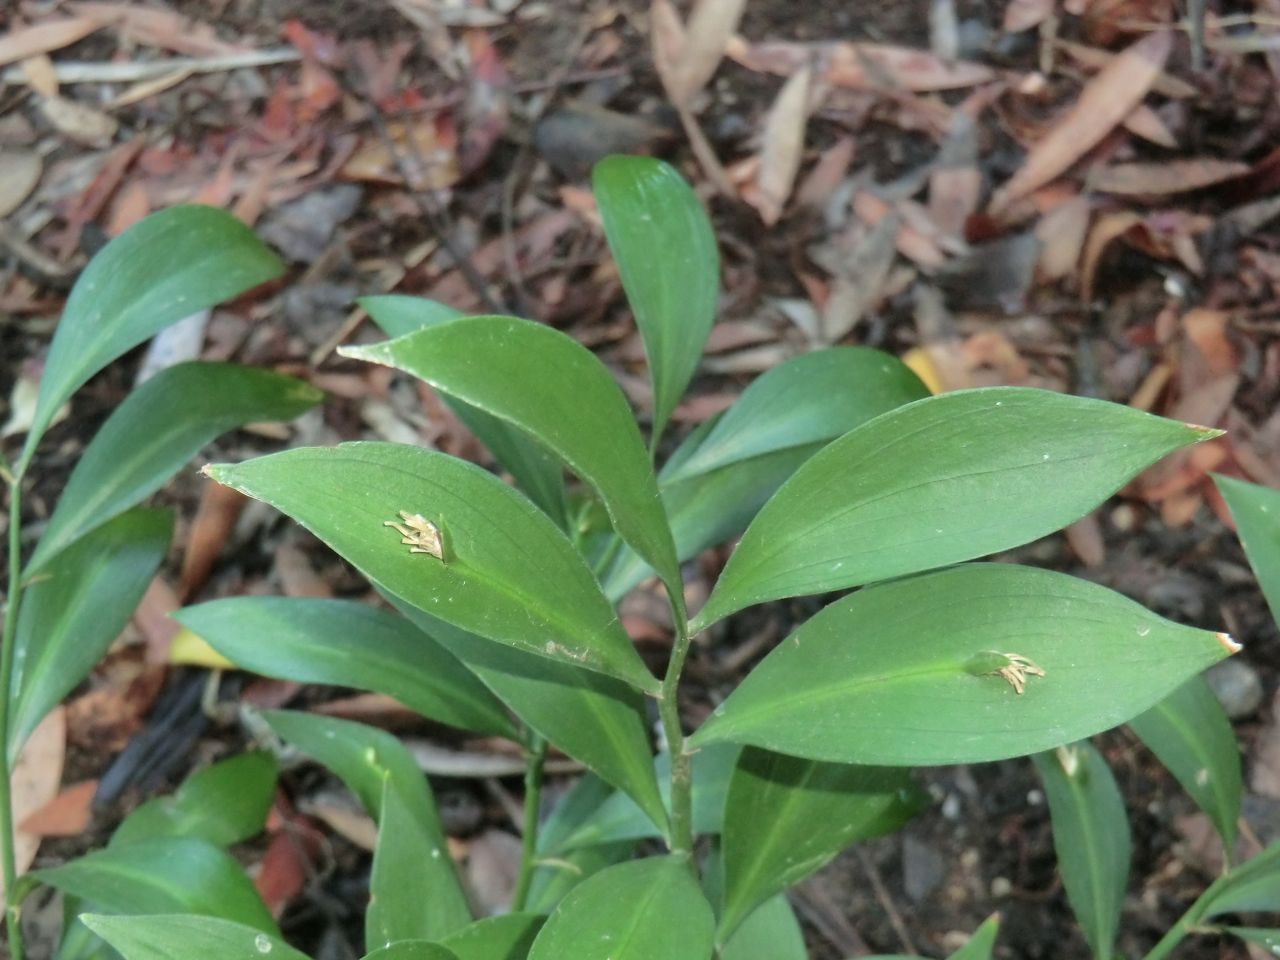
x,y
193,650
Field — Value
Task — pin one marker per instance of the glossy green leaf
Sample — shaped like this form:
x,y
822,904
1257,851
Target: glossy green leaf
x,y
938,481
666,254
187,936
771,932
1190,734
411,950
164,875
649,909
812,398
222,804
508,573
555,875
785,818
1268,940
983,942
1090,837
404,901
593,718
158,429
348,644
552,387
1253,886
907,673
1256,511
168,266
507,937
619,818
536,471
74,609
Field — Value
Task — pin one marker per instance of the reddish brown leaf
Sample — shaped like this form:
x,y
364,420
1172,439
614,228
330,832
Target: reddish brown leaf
x,y
215,519
35,781
66,815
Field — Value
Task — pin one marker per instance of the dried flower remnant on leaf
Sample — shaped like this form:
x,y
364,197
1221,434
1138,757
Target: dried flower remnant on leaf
x,y
419,534
1012,667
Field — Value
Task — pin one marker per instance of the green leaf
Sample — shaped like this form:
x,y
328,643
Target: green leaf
x,y
536,471
595,719
1090,837
1254,886
74,609
771,932
411,950
1190,734
405,902
348,644
223,804
812,398
155,431
982,943
164,875
666,254
549,385
649,909
185,936
507,937
619,818
1256,511
938,481
906,673
785,818
556,875
1268,940
168,266
508,573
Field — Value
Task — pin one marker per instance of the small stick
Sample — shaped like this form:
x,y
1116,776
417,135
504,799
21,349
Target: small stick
x,y
77,72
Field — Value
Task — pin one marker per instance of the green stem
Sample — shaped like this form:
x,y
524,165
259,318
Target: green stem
x,y
681,766
534,761
13,594
1186,923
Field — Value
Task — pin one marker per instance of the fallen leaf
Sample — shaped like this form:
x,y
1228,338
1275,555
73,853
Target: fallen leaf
x,y
40,75
215,519
1022,15
1105,101
340,813
1166,177
79,122
1108,227
66,815
859,285
1062,233
1085,539
1207,330
493,862
832,167
860,66
190,649
783,146
153,621
706,34
45,37
912,244
35,780
19,173
290,860
1165,83
1146,123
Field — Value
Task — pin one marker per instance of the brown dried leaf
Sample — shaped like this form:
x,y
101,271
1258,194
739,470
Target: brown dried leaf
x,y
832,167
1207,330
45,37
215,519
710,26
912,244
783,147
79,122
19,173
1085,539
40,75
35,781
153,621
1061,233
1170,176
1105,101
861,66
66,815
1146,123
1022,15
1165,83
1108,227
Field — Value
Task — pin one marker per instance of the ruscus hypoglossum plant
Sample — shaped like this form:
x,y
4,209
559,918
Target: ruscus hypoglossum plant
x,y
839,471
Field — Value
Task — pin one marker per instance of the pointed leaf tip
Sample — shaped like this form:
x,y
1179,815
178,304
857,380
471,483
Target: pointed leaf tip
x,y
1229,643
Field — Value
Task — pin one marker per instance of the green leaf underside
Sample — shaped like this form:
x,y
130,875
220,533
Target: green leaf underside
x,y
509,574
1256,511
552,387
670,268
935,482
595,719
772,932
507,937
650,909
223,804
186,936
156,430
1190,734
1266,939
72,612
785,818
812,398
1253,886
407,900
1090,837
535,470
163,875
167,266
885,676
348,644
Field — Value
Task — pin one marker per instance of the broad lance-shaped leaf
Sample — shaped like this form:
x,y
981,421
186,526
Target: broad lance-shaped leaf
x,y
367,760
504,570
771,932
641,910
666,253
411,950
156,430
785,818
348,644
403,901
812,398
552,387
978,662
941,480
168,266
74,609
595,719
1090,837
179,936
536,471
505,937
164,875
983,942
1252,887
1190,734
1256,511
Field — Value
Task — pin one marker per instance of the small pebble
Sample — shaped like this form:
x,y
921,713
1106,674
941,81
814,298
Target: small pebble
x,y
1237,686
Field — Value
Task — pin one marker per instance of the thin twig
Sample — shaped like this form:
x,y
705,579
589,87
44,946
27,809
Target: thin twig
x,y
885,900
150,69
